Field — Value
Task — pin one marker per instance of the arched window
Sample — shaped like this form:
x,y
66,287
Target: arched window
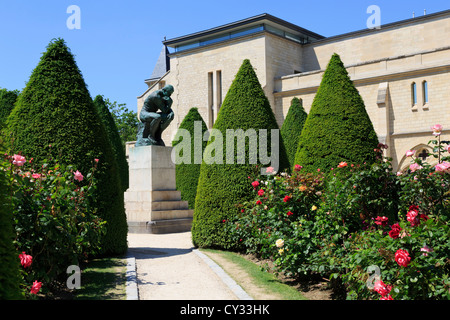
x,y
425,92
413,93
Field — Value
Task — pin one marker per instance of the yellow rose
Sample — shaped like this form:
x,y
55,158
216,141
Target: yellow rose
x,y
279,243
281,251
314,208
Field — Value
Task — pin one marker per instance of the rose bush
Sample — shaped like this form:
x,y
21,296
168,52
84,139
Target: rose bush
x,y
53,218
341,223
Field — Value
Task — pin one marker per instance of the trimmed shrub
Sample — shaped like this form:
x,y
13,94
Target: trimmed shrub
x,y
338,127
9,268
223,183
187,173
114,138
55,110
292,128
7,101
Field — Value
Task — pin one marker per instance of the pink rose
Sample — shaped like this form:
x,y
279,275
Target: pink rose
x,y
402,258
409,153
442,167
269,170
36,287
36,175
414,167
426,249
447,148
382,288
260,192
78,176
25,259
18,160
297,167
437,129
388,297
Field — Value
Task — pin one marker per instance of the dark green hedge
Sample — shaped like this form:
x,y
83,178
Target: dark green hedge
x,y
9,266
338,127
187,173
222,186
114,138
292,128
56,109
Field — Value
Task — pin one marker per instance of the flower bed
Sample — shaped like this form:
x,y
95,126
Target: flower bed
x,y
380,234
54,222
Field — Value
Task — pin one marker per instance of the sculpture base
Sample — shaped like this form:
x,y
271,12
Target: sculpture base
x,y
152,203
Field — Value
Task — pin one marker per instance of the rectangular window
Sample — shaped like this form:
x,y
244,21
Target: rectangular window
x,y
219,89
211,99
413,93
425,92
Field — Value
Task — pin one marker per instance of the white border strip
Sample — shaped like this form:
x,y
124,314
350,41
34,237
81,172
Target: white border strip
x,y
132,289
234,287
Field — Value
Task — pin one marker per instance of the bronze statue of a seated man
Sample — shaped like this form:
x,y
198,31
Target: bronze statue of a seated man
x,y
153,123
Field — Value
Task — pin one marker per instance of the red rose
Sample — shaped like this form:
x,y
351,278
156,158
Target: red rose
x,y
260,192
381,221
287,198
25,259
258,202
289,214
395,232
382,288
36,287
402,257
255,184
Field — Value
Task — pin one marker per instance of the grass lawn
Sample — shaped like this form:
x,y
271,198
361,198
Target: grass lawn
x,y
103,279
258,283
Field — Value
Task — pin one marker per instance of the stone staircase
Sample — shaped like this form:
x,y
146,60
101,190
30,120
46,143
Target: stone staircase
x,y
155,206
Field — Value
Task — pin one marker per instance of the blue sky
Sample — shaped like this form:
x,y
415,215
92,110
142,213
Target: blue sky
x,y
119,41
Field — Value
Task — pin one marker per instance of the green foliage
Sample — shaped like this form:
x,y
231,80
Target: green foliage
x,y
223,185
55,110
126,120
292,128
114,138
338,127
187,173
7,101
9,268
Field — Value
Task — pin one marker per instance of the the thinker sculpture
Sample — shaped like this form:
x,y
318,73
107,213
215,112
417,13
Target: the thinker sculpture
x,y
153,123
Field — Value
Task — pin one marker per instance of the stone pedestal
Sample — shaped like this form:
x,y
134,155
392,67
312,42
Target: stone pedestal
x,y
152,203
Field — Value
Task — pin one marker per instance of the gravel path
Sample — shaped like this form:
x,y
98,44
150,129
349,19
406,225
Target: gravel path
x,y
168,268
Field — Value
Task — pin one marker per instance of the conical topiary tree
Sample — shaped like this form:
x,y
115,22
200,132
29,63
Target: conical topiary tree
x,y
223,185
292,128
338,128
56,109
114,138
7,101
9,268
187,172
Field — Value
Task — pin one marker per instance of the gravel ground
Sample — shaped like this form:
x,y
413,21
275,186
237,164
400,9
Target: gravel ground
x,y
168,268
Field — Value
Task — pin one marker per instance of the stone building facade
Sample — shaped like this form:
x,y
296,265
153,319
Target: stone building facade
x,y
402,71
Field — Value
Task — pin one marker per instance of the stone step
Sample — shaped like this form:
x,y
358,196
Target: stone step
x,y
171,214
170,205
161,226
149,196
